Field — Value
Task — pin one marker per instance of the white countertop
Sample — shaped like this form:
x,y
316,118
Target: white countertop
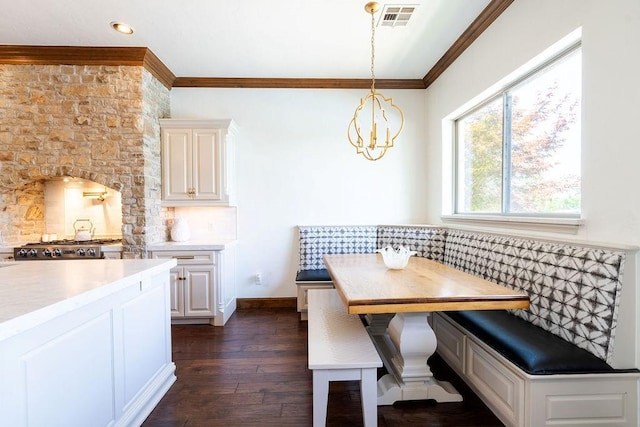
x,y
191,245
34,292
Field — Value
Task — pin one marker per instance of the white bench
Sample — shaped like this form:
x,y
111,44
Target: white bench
x,y
340,349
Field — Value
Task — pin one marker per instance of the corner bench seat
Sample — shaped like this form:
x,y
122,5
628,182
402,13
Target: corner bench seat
x,y
306,280
554,363
602,397
315,241
532,349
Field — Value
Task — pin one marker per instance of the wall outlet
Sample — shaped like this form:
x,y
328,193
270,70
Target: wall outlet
x,y
258,279
210,226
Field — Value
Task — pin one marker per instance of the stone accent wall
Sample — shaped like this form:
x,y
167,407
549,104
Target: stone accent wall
x,y
91,122
156,104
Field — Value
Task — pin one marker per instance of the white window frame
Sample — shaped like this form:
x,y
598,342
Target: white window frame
x,y
543,221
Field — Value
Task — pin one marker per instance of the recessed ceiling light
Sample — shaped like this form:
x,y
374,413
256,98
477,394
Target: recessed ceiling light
x,y
121,27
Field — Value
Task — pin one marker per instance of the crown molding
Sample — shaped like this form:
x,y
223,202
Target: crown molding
x,y
473,31
156,67
296,83
84,55
144,57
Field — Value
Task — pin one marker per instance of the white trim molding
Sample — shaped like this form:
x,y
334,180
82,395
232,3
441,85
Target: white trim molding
x,y
562,225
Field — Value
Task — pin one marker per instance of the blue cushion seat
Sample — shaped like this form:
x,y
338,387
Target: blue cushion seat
x,y
532,349
320,275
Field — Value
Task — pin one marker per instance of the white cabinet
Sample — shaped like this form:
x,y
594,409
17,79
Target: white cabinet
x,y
202,285
105,363
192,284
192,291
197,162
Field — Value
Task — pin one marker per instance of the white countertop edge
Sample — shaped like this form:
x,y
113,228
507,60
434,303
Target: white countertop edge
x,y
191,245
24,322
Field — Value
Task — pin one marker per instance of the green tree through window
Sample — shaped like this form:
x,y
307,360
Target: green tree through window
x,y
518,153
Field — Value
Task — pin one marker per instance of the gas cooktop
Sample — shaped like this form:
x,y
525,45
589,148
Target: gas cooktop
x,y
63,249
70,242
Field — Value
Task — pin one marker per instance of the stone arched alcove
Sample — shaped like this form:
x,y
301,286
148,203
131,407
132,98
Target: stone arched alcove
x,y
92,122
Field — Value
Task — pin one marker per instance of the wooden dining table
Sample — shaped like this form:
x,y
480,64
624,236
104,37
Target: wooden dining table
x,y
397,303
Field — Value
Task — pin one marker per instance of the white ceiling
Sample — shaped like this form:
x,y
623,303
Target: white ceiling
x,y
249,38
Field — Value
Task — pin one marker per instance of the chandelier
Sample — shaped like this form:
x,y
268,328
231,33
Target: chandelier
x,y
372,140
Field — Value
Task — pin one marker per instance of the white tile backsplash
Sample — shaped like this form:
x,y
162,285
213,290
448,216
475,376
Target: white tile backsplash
x,y
213,223
65,204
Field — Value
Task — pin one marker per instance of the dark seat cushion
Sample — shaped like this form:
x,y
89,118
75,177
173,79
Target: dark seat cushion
x,y
531,348
321,275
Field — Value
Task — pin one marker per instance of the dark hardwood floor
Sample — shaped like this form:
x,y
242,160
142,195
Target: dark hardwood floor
x,y
253,372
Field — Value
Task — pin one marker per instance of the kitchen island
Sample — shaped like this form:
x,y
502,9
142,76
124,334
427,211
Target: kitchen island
x,y
84,342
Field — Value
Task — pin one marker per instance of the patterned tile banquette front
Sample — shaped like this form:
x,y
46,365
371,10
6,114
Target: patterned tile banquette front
x,y
316,241
574,291
429,242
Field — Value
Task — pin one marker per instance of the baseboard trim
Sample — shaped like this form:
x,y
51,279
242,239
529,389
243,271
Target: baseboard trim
x,y
286,302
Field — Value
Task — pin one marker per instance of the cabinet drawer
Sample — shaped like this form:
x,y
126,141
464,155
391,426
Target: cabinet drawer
x,y
187,257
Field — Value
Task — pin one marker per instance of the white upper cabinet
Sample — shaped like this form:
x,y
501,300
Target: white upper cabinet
x,y
197,162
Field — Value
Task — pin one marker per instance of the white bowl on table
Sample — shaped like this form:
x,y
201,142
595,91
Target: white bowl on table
x,y
396,259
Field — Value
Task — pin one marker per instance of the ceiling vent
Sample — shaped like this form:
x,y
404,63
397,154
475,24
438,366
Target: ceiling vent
x,y
394,15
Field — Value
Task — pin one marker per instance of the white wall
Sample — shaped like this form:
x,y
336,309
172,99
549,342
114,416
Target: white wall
x,y
611,66
295,166
611,108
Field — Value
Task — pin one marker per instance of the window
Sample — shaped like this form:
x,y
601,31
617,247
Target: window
x,y
518,152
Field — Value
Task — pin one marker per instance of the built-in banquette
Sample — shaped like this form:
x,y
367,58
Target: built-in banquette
x,y
554,363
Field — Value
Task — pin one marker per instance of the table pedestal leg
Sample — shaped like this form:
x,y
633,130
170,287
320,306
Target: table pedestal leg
x,y
405,348
378,323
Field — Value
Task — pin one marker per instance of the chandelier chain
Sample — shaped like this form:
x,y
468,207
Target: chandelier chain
x,y
373,52
374,139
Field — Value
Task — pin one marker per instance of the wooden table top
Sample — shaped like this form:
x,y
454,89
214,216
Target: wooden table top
x,y
367,286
